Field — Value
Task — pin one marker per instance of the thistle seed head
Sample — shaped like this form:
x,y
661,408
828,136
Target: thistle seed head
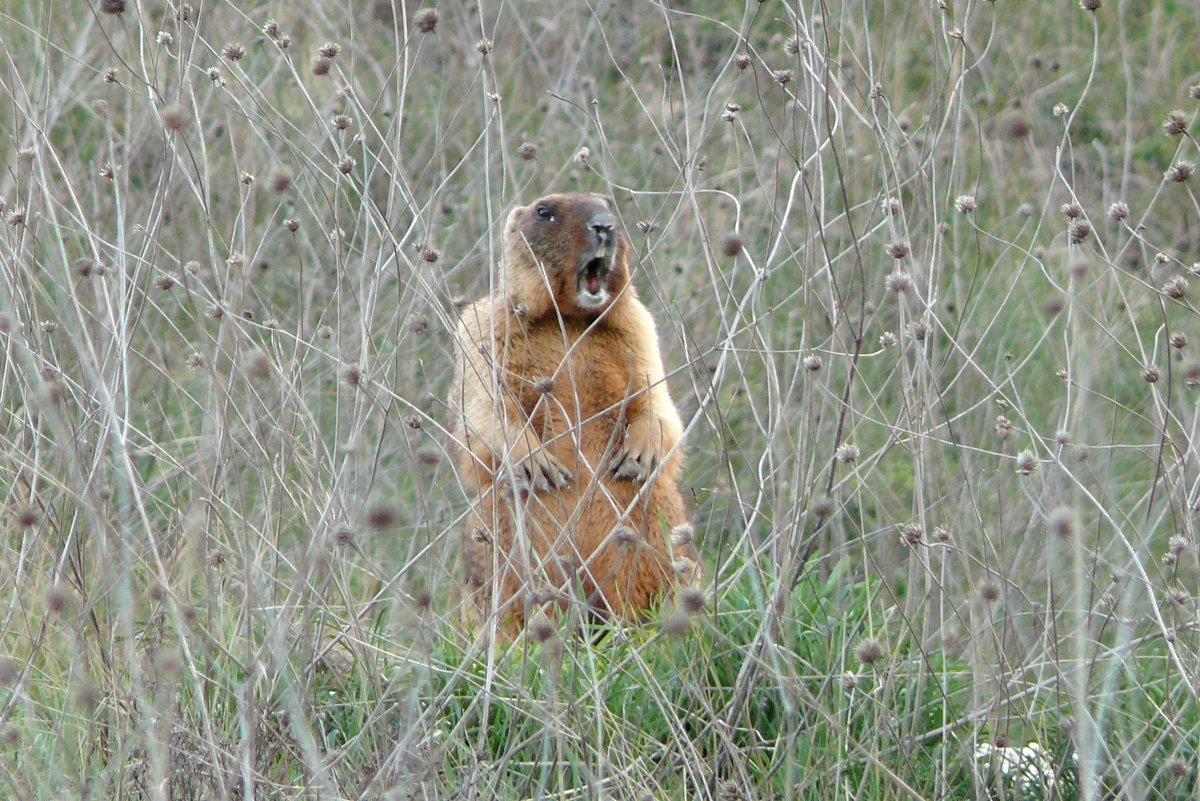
x,y
426,20
1176,123
1180,171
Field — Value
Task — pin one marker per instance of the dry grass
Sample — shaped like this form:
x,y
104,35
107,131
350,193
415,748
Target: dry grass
x,y
922,275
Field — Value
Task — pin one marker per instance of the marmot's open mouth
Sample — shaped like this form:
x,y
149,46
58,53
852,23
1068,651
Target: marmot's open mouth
x,y
591,278
593,275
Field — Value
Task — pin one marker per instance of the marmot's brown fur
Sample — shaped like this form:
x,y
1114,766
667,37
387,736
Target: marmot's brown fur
x,y
567,430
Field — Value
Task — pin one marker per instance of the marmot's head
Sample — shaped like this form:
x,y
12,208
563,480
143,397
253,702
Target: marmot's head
x,y
566,251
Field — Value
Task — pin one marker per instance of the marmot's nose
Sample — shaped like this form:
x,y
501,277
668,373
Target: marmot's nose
x,y
602,222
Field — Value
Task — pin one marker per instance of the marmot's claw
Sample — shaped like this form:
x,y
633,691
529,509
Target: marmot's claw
x,y
634,468
546,474
557,475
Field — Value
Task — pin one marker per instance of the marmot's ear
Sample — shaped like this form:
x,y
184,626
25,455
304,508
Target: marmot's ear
x,y
608,201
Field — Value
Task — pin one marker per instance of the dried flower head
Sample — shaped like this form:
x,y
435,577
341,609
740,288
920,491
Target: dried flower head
x,y
484,46
624,536
233,51
1062,522
682,535
741,61
174,117
321,66
1119,210
692,600
731,245
888,339
1180,171
541,627
898,250
1078,231
1175,287
271,28
291,224
1179,341
812,363
381,515
847,452
791,45
346,165
426,20
822,507
582,155
1071,210
57,597
1176,123
527,151
164,38
112,6
1016,126
989,591
1150,374
898,282
890,206
1026,462
27,516
783,77
868,651
280,181
256,365
329,50
1060,110
1089,5
965,204
431,255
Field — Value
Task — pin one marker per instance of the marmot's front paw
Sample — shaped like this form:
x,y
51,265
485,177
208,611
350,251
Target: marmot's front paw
x,y
642,452
544,472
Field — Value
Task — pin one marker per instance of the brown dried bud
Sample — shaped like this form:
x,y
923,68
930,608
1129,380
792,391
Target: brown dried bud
x,y
174,117
869,651
1176,123
1180,171
426,20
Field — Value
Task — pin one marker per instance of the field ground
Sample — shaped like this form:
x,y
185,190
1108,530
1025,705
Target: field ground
x,y
922,276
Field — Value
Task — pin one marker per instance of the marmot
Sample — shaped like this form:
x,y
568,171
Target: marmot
x,y
565,426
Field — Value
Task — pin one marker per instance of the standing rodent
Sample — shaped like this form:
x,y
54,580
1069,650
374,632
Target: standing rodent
x,y
566,427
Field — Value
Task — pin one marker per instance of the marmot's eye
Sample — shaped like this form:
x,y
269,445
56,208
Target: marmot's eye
x,y
544,213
